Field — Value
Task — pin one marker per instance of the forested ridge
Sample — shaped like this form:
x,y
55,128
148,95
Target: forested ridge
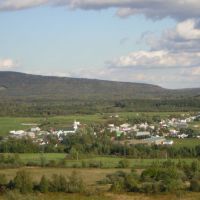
x,y
33,95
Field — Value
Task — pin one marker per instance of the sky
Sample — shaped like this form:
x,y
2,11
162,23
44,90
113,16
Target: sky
x,y
145,41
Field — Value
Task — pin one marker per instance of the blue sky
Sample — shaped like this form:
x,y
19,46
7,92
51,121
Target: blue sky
x,y
92,42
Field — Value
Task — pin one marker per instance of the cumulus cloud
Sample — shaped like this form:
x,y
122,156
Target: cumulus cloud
x,y
7,63
20,4
157,59
196,71
179,9
184,37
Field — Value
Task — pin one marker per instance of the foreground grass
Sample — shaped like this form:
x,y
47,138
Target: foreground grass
x,y
103,196
51,196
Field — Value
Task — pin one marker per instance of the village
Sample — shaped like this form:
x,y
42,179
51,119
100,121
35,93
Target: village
x,y
159,133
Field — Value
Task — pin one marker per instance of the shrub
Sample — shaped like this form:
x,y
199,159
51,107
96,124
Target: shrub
x,y
23,182
83,164
52,163
123,163
58,183
118,186
44,184
95,164
75,183
195,185
131,183
3,182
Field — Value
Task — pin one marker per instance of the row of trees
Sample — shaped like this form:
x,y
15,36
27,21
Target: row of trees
x,y
85,144
24,183
49,107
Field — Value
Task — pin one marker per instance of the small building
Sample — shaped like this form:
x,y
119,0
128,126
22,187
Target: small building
x,y
168,142
155,140
35,129
142,135
182,136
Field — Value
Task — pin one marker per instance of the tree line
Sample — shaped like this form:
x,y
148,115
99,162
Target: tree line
x,y
49,107
158,178
74,145
24,183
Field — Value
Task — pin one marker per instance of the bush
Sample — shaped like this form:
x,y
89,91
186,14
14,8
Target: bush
x,y
58,184
75,184
132,183
52,163
95,164
123,163
44,185
3,180
23,182
83,164
118,186
3,183
195,185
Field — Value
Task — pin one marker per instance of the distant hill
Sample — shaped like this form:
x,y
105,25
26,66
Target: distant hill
x,y
32,95
20,85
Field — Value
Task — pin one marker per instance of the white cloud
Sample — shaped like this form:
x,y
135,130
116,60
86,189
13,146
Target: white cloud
x,y
184,37
20,4
7,63
187,30
157,59
196,71
178,9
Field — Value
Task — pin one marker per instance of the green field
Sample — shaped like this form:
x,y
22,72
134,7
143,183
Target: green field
x,y
187,142
15,123
106,162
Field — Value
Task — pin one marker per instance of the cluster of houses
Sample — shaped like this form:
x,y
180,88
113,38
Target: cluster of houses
x,y
39,135
145,133
142,133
